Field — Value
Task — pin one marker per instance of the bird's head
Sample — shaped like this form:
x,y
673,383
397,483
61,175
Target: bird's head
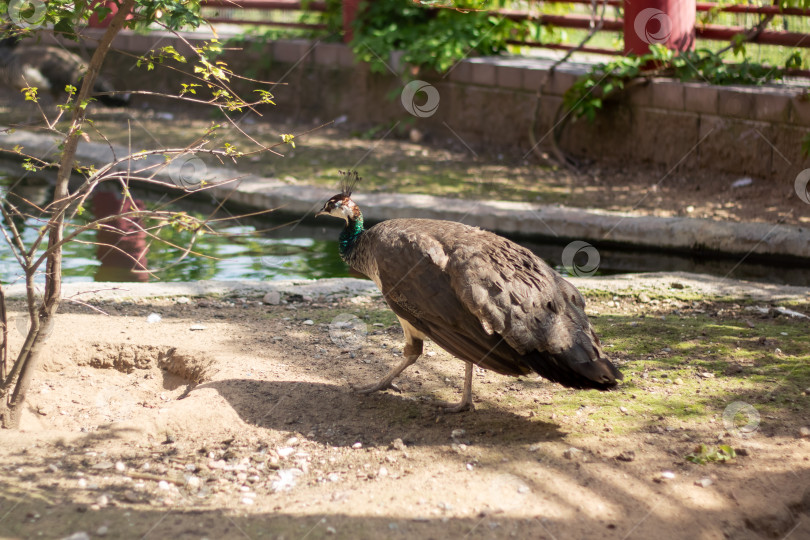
x,y
341,205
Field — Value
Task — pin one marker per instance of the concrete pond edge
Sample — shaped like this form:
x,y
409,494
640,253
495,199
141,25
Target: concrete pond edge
x,y
681,234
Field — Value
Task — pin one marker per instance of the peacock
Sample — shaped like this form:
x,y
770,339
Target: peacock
x,y
50,69
481,297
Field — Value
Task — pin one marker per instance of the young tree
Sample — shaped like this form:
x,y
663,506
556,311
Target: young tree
x,y
213,78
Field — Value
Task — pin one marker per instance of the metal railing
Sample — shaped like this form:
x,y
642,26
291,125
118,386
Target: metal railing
x,y
282,13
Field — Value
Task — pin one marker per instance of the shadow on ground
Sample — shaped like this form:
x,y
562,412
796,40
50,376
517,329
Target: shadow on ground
x,y
377,419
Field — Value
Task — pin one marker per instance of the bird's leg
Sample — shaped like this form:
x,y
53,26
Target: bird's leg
x,y
411,351
466,403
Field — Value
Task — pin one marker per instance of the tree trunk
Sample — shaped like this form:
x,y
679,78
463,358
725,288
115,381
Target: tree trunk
x,y
27,360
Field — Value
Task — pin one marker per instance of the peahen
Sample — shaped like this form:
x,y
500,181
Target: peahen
x,y
481,297
50,69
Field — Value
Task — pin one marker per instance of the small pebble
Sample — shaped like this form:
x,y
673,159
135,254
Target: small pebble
x,y
626,455
357,445
154,318
572,453
624,410
397,444
285,452
309,322
120,467
81,535
704,482
665,475
195,327
804,432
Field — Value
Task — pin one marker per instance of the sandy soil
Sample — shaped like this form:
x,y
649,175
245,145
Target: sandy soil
x,y
229,418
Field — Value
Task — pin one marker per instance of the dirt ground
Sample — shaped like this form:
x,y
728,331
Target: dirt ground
x,y
390,162
230,418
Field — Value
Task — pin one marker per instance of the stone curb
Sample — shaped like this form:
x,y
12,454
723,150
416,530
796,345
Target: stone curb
x,y
672,233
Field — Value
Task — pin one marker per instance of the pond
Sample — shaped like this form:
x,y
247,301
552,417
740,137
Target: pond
x,y
241,248
281,247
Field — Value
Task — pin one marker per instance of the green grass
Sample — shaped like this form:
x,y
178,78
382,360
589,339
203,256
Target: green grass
x,y
712,361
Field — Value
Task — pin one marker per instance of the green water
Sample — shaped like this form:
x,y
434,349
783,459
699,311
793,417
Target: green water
x,y
240,248
266,250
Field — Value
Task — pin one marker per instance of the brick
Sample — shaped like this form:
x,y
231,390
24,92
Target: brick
x,y
327,54
292,51
800,110
533,78
483,73
346,57
640,95
772,105
700,98
599,138
559,82
509,77
788,160
546,118
735,145
461,72
735,102
665,136
668,94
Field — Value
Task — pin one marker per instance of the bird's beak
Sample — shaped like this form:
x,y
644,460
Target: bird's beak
x,y
322,213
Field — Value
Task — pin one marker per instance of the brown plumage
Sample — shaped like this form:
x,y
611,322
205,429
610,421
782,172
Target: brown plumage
x,y
481,297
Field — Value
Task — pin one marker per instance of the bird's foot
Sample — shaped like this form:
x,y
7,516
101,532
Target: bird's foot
x,y
461,406
376,387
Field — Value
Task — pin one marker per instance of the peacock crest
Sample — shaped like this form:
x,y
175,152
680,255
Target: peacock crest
x,y
348,182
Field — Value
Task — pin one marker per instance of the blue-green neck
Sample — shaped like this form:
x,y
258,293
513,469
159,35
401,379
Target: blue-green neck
x,y
349,236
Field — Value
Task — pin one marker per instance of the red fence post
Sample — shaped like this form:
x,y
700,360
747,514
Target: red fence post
x,y
668,22
350,8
